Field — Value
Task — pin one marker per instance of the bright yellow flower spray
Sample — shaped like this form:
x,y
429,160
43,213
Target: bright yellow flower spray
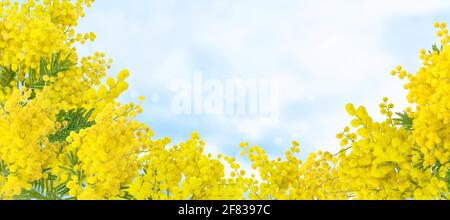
x,y
63,135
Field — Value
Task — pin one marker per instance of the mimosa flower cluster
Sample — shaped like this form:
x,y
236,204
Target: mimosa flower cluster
x,y
64,135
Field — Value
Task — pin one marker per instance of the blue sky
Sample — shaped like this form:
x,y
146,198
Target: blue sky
x,y
326,53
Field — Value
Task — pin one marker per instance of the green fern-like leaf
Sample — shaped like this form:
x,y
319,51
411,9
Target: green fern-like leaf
x,y
49,68
6,76
436,49
58,65
73,159
34,78
405,121
127,196
45,189
76,121
4,171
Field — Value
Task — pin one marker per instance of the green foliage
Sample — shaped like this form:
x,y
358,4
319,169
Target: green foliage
x,y
74,161
49,188
45,189
76,121
436,49
34,79
436,168
3,169
7,75
49,68
405,121
127,196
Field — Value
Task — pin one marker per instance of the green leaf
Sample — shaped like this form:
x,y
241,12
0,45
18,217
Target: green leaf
x,y
127,196
45,189
405,121
73,159
437,49
34,79
76,121
4,171
6,76
57,65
